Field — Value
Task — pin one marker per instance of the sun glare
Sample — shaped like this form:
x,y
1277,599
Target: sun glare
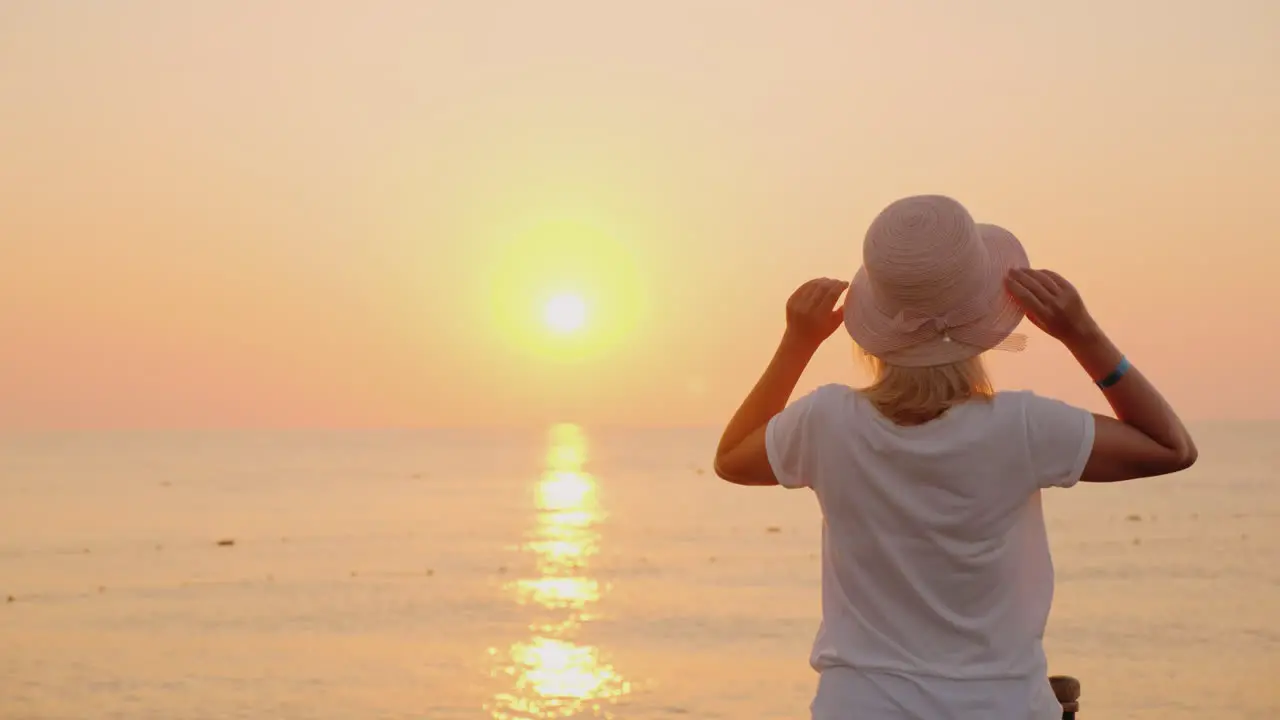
x,y
565,314
564,291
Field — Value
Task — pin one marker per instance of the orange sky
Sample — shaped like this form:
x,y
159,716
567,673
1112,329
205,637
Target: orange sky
x,y
348,214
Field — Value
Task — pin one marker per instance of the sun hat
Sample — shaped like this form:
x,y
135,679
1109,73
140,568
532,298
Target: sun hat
x,y
931,287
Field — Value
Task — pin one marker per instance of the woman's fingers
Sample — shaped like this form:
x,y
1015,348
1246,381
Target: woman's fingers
x,y
837,314
1035,283
812,308
822,293
1063,284
833,305
1049,280
816,298
818,295
1026,296
803,298
834,288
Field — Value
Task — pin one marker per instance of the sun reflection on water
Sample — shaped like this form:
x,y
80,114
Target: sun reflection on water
x,y
551,675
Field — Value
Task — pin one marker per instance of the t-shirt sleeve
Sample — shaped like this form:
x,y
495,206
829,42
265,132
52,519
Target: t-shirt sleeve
x,y
1060,438
791,443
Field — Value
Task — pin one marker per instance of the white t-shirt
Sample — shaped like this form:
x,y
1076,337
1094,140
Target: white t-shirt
x,y
936,575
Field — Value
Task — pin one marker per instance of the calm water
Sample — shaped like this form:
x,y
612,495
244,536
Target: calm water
x,y
561,574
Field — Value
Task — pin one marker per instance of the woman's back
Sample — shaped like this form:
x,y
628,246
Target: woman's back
x,y
935,560
935,545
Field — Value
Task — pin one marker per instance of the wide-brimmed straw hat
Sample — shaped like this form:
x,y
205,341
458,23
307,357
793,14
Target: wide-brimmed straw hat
x,y
931,290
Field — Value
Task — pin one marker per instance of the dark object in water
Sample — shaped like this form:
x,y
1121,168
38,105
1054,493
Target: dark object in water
x,y
226,543
773,529
11,599
1067,690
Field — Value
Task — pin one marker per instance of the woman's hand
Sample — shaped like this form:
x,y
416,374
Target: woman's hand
x,y
1146,438
812,314
1052,303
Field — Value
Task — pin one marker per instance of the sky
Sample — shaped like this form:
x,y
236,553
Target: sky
x,y
339,214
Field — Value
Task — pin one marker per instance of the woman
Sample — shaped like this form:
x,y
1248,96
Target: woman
x,y
936,575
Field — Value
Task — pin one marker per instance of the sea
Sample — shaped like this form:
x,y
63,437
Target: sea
x,y
564,572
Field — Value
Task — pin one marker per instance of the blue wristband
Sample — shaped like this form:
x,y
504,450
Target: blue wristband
x,y
1116,374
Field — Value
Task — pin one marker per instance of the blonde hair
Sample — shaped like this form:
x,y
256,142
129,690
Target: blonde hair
x,y
916,395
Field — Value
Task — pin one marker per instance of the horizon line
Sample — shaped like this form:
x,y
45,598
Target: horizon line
x,y
523,427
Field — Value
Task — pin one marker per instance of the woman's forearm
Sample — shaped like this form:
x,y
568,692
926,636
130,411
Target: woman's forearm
x,y
771,392
1134,399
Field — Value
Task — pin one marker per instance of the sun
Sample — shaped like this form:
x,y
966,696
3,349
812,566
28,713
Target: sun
x,y
565,314
563,290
